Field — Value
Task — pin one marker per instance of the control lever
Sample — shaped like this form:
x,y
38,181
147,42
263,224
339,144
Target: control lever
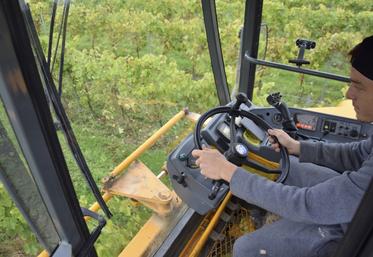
x,y
288,124
215,189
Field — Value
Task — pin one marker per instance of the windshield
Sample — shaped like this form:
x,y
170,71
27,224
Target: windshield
x,y
334,27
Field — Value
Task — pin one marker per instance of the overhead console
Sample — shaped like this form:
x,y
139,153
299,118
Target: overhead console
x,y
318,126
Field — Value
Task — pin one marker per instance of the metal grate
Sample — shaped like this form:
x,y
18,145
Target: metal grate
x,y
240,224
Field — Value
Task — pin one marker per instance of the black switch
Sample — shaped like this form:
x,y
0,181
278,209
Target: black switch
x,y
326,126
191,162
180,179
353,133
333,126
183,157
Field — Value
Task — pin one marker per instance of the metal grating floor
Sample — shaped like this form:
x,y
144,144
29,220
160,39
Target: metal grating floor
x,y
241,223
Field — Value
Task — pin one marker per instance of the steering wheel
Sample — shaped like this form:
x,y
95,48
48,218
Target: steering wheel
x,y
238,146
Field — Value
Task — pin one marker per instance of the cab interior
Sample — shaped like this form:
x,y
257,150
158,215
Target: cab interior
x,y
190,215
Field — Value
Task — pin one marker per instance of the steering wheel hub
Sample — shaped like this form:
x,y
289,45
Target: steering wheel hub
x,y
241,150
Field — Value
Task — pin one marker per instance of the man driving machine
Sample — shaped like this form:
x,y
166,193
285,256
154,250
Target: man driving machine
x,y
324,187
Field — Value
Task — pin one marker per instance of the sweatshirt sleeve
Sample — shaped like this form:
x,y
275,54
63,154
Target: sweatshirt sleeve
x,y
331,202
339,157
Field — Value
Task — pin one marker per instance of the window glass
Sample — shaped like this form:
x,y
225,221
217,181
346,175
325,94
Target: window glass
x,y
335,35
18,184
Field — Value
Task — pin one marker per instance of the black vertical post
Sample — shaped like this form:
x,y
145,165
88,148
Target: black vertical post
x,y
22,93
216,56
250,44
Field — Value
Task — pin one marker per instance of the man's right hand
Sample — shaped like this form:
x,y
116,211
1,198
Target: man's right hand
x,y
213,164
285,140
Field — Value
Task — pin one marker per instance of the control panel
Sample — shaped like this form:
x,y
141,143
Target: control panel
x,y
187,181
342,128
318,126
194,189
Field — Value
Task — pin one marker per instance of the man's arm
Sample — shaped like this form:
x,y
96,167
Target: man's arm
x,y
339,157
331,202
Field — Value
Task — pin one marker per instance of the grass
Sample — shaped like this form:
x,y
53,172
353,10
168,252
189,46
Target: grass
x,y
13,248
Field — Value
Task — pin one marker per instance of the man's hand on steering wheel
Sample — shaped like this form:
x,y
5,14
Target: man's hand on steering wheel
x,y
213,164
238,150
293,146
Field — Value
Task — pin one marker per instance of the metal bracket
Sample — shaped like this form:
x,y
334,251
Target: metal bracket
x,y
140,183
63,250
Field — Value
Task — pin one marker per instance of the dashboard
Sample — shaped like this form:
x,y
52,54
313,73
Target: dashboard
x,y
318,126
194,189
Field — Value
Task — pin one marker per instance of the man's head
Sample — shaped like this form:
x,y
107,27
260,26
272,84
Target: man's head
x,y
361,87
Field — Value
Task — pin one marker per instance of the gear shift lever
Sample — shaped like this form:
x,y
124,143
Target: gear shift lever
x,y
288,124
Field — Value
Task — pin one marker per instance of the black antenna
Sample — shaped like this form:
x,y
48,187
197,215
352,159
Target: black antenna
x,y
51,31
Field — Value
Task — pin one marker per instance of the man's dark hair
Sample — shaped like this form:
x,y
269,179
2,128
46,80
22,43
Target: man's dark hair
x,y
354,52
362,57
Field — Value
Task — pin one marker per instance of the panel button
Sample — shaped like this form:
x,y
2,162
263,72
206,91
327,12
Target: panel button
x,y
333,126
354,133
326,126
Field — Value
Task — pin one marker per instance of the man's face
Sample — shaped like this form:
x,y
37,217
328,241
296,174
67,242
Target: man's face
x,y
361,94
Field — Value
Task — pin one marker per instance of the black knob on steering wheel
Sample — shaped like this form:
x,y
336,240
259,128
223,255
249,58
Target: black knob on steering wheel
x,y
237,152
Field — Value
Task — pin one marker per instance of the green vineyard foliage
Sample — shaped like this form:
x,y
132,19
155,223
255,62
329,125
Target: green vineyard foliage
x,y
131,65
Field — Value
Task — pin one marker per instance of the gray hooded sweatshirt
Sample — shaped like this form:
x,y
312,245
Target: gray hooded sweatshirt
x,y
331,202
